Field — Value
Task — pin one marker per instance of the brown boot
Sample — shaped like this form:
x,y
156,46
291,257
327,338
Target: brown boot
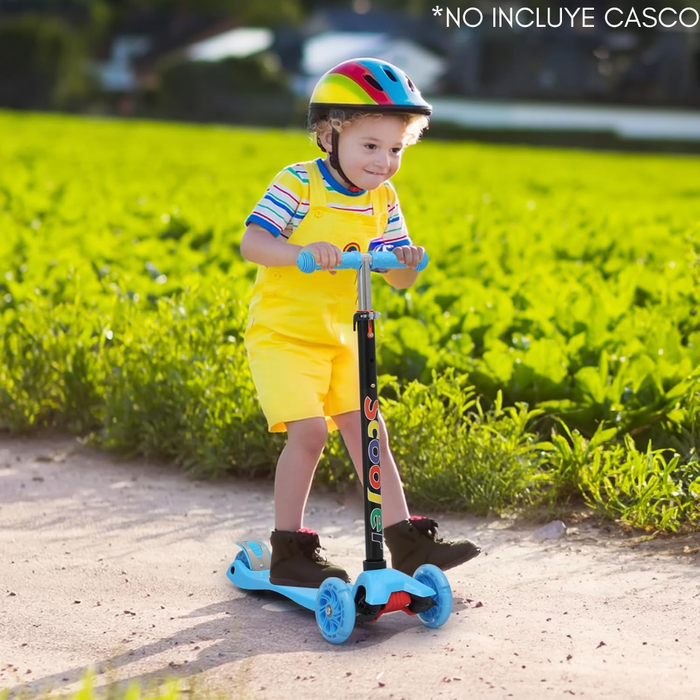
x,y
296,561
414,542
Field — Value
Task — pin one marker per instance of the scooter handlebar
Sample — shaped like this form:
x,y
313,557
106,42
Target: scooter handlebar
x,y
353,261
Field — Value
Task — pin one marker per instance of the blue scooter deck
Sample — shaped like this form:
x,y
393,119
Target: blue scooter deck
x,y
255,575
251,571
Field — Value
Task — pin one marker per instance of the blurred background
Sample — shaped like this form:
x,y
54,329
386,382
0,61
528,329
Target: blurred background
x,y
564,290
254,62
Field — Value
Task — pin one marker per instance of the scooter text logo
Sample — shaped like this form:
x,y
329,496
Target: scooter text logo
x,y
375,475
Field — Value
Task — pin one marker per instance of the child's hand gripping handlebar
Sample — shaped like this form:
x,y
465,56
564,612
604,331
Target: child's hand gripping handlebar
x,y
353,261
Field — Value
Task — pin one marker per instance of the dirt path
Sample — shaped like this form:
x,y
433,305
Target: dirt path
x,y
121,565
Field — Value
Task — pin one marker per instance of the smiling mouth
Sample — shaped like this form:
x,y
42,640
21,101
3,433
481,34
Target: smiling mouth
x,y
378,174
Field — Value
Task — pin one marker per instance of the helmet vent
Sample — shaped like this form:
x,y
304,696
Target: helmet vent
x,y
391,75
373,82
410,84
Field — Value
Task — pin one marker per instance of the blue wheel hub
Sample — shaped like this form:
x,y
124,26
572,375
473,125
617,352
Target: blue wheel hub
x,y
335,610
432,576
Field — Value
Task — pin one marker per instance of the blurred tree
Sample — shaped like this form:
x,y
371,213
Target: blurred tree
x,y
243,90
101,14
265,13
42,63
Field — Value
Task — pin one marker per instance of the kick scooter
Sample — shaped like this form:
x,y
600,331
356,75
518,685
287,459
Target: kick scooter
x,y
378,589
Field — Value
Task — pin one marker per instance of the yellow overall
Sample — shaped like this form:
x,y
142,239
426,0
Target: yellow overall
x,y
301,345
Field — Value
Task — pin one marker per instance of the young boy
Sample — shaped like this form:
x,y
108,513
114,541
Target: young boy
x,y
300,341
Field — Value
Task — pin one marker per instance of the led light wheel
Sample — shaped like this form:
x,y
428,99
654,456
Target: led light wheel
x,y
431,576
335,610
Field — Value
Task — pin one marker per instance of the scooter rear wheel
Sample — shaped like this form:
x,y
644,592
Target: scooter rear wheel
x,y
432,576
257,549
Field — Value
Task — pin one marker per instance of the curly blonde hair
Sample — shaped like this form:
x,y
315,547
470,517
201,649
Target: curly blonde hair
x,y
339,119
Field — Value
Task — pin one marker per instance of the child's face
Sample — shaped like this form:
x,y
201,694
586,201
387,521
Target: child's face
x,y
371,148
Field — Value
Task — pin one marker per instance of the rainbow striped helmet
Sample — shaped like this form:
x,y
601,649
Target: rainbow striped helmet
x,y
369,85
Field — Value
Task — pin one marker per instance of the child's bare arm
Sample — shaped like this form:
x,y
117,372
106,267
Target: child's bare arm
x,y
401,279
260,246
404,278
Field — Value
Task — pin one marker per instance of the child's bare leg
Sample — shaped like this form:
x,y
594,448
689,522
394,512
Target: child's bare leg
x,y
295,470
411,543
394,507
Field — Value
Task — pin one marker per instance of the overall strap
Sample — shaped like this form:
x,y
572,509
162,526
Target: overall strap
x,y
380,204
317,188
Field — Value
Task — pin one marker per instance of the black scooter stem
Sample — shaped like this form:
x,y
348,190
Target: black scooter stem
x,y
363,324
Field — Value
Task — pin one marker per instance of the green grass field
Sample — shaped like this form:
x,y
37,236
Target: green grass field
x,y
171,688
550,353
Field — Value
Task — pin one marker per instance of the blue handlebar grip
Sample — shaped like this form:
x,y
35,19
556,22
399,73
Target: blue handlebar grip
x,y
388,261
306,262
353,261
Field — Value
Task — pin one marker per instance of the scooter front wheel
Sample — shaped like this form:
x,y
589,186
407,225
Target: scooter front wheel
x,y
432,576
335,610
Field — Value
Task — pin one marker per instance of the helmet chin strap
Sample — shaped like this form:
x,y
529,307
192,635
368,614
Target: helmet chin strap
x,y
335,163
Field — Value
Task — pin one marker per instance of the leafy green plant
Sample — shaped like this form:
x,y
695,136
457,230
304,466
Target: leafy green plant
x,y
554,337
648,490
454,455
567,457
169,689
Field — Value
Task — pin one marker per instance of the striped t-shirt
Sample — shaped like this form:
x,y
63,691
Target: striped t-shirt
x,y
286,202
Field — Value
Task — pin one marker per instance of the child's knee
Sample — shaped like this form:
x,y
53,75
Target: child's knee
x,y
309,435
350,421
